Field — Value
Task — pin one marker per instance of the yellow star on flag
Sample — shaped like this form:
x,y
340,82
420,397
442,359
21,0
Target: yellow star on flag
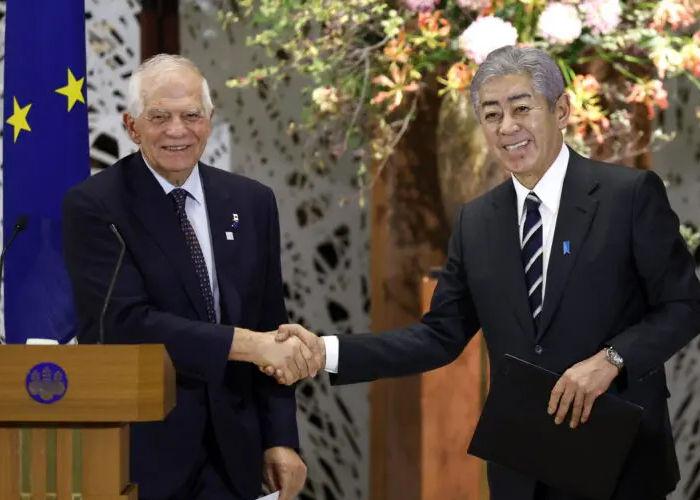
x,y
73,91
19,118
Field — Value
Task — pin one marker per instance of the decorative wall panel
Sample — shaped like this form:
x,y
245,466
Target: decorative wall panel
x,y
679,164
325,259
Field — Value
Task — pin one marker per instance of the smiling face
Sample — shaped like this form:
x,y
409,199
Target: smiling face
x,y
520,129
173,128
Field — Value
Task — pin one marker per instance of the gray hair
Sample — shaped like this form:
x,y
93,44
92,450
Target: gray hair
x,y
159,64
546,76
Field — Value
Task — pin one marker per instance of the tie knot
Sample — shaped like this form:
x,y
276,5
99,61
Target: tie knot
x,y
532,202
179,195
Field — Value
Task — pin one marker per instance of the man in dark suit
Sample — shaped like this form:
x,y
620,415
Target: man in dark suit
x,y
572,264
201,275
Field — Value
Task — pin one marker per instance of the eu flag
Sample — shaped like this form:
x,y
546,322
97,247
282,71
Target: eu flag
x,y
45,152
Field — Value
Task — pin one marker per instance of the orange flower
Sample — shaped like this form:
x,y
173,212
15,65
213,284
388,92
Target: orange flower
x,y
677,14
398,50
402,81
459,75
651,93
433,23
690,54
435,30
586,110
458,78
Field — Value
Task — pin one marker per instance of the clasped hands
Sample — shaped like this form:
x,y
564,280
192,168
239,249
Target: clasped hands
x,y
291,354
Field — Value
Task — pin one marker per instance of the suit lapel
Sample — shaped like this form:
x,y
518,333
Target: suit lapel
x,y
577,209
155,210
220,209
505,239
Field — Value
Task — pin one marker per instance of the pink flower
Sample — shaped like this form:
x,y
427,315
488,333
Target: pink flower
x,y
485,35
421,5
474,5
560,23
601,16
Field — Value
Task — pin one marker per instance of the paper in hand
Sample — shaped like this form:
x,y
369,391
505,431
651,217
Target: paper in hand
x,y
271,496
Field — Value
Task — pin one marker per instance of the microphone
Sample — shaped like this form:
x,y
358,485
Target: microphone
x,y
114,229
20,225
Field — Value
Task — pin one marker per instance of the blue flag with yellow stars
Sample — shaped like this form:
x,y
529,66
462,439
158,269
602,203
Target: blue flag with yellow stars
x,y
45,152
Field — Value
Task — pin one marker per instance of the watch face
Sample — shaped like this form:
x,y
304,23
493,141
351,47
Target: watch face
x,y
614,357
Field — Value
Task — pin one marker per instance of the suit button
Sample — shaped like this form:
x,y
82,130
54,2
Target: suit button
x,y
538,349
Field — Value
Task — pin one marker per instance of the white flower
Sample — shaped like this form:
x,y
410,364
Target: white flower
x,y
485,35
326,98
560,23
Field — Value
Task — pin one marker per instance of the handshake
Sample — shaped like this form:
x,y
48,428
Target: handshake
x,y
290,354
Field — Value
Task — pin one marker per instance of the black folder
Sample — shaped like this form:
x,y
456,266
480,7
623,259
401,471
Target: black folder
x,y
515,431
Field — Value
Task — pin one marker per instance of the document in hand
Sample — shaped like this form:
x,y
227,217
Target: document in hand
x,y
271,496
515,431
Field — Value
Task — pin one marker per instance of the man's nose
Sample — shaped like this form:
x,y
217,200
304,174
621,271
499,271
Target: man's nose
x,y
176,127
508,124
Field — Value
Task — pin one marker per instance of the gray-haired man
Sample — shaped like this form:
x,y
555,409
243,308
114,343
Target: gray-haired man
x,y
573,264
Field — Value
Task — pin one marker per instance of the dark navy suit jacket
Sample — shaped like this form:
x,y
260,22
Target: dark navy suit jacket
x,y
627,280
157,300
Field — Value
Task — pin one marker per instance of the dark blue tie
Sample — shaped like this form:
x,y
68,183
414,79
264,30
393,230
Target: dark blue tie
x,y
179,195
532,254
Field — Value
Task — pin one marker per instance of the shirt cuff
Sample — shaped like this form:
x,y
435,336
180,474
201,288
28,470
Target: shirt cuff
x,y
332,348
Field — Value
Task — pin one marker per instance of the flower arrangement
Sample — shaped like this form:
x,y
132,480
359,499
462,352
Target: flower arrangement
x,y
369,61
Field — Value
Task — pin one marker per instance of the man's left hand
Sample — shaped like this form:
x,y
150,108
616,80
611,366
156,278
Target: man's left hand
x,y
284,471
581,385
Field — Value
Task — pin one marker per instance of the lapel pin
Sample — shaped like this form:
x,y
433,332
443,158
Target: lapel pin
x,y
567,247
234,221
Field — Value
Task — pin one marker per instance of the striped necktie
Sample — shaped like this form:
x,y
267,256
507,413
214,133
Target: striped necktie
x,y
532,254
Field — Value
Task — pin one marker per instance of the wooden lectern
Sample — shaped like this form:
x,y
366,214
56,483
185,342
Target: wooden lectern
x,y
452,398
65,414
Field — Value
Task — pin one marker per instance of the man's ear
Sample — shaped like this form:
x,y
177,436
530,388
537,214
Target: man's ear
x,y
129,124
562,108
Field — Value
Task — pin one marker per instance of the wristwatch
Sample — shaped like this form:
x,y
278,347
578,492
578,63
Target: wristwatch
x,y
614,357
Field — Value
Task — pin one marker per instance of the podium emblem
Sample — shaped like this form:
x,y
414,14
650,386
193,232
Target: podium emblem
x,y
46,383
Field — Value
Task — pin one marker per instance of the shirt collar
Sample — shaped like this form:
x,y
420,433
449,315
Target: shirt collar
x,y
193,184
549,187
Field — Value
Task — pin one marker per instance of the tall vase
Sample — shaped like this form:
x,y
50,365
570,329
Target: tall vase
x,y
465,168
409,236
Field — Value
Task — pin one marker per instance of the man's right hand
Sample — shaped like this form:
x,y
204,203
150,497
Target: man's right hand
x,y
290,360
288,333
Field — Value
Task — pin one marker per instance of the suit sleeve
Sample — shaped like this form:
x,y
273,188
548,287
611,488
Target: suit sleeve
x,y
91,251
277,403
670,284
437,340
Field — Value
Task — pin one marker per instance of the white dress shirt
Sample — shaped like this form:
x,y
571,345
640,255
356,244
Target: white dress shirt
x,y
548,189
196,209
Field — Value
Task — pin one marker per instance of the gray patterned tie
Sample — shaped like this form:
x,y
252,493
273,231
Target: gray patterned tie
x,y
180,195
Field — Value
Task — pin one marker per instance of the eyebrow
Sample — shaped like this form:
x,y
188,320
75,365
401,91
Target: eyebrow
x,y
162,111
510,99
